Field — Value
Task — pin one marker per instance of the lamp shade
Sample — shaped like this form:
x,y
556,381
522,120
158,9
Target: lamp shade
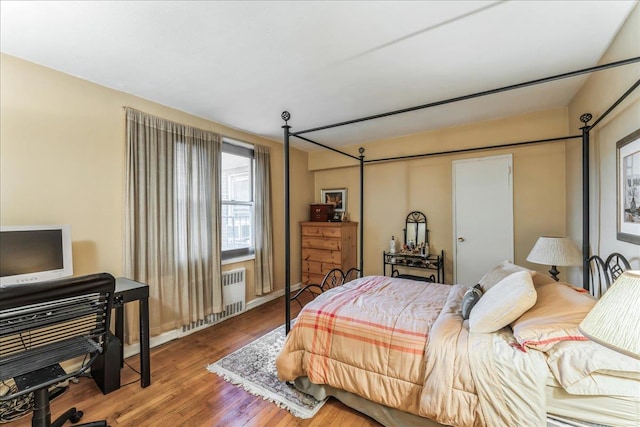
x,y
614,321
558,251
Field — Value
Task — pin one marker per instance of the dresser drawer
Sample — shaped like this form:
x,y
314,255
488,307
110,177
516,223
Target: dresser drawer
x,y
321,231
331,257
316,267
309,278
321,243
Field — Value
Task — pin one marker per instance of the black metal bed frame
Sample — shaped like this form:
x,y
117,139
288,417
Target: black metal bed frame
x,y
586,129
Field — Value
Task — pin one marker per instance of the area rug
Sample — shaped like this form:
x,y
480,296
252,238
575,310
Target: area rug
x,y
253,367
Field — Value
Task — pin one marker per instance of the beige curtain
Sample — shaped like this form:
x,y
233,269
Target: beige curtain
x,y
264,222
172,220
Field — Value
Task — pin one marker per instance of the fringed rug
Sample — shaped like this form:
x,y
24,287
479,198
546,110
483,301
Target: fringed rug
x,y
253,367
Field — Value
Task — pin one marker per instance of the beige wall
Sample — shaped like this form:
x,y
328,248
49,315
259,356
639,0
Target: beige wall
x,y
547,178
598,93
62,157
393,189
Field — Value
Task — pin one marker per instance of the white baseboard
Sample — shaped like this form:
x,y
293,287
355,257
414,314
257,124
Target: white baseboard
x,y
133,349
270,297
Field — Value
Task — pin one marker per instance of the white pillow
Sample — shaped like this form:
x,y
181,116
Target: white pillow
x,y
497,273
554,317
504,269
503,303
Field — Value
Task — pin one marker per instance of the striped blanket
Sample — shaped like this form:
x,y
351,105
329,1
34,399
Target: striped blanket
x,y
369,337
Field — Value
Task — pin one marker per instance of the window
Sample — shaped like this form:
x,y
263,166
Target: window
x,y
237,194
190,183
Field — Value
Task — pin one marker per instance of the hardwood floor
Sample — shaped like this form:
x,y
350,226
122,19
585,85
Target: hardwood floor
x,y
184,393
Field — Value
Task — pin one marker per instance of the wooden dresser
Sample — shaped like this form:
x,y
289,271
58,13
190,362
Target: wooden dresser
x,y
327,245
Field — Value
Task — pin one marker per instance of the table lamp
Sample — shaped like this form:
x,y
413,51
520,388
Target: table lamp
x,y
555,251
613,321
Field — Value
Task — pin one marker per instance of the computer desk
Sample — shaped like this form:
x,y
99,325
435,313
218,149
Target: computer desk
x,y
128,290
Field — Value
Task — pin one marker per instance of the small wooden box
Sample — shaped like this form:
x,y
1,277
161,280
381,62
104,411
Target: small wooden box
x,y
321,212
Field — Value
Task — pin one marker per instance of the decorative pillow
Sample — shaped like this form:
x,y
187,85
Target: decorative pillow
x,y
540,279
504,269
497,273
470,299
503,303
555,317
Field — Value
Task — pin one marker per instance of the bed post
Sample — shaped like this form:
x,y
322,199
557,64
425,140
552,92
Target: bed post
x,y
287,225
585,199
361,151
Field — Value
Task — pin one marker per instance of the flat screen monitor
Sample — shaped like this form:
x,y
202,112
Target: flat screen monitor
x,y
35,253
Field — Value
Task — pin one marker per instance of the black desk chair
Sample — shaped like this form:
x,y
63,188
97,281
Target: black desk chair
x,y
45,324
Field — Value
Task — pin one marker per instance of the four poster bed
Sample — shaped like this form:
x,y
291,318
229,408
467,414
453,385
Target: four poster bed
x,y
407,354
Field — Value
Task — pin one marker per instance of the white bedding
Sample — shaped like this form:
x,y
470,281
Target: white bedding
x,y
592,383
615,411
587,368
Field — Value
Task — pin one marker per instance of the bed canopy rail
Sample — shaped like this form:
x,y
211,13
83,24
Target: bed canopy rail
x,y
469,150
287,218
476,95
615,104
586,129
335,150
585,135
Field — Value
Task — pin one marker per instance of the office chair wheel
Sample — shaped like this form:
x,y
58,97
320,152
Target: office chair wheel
x,y
76,416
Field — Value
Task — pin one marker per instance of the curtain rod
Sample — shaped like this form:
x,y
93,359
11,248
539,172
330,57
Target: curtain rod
x,y
477,94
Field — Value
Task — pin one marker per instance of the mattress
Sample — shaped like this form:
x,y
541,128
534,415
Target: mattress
x,y
579,411
385,415
615,411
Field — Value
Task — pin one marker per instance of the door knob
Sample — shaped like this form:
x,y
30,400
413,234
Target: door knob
x,y
460,239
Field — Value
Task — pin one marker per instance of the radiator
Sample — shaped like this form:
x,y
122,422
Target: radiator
x,y
233,298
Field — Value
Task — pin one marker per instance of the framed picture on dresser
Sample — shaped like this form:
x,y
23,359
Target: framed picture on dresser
x,y
336,197
628,188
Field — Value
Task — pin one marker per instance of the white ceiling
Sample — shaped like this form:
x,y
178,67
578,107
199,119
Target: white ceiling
x,y
243,63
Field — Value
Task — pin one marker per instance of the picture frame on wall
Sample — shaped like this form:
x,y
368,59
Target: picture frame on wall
x,y
628,188
336,197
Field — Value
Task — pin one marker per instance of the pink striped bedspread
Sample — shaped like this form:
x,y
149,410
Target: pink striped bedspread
x,y
397,342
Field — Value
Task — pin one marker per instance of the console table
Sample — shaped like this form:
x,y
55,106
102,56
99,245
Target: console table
x,y
418,262
126,291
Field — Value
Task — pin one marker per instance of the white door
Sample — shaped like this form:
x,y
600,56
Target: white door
x,y
483,216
